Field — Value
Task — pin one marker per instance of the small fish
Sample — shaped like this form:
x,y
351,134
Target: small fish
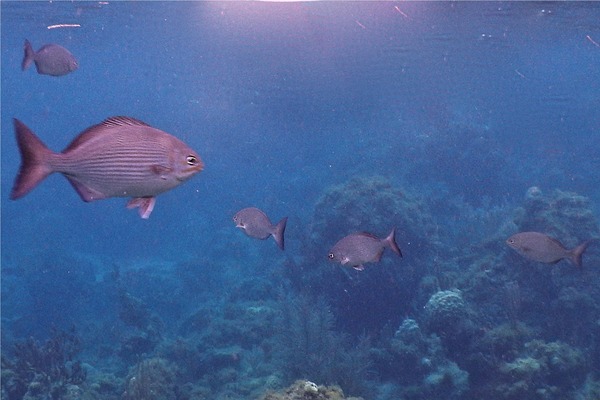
x,y
358,248
539,247
119,157
51,59
256,224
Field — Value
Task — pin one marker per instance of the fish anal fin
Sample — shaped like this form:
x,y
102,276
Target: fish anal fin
x,y
359,267
86,193
145,204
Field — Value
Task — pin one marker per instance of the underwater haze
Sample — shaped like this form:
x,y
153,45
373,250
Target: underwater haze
x,y
459,124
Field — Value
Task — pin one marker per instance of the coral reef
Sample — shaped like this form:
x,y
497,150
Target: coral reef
x,y
307,346
147,327
445,308
419,364
373,204
151,379
543,370
306,390
448,315
564,215
43,370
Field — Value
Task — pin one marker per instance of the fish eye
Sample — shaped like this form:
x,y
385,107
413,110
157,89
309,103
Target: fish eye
x,y
191,160
330,256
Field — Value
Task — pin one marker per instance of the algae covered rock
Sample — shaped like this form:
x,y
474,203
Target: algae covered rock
x,y
306,390
544,370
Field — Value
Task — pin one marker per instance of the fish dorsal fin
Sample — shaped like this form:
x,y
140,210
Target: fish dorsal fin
x,y
122,121
369,235
94,130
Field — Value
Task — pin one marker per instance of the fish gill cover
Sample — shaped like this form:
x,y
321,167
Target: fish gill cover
x,y
459,124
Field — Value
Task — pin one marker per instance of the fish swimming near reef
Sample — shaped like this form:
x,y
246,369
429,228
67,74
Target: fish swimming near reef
x,y
543,248
359,248
256,224
50,59
119,157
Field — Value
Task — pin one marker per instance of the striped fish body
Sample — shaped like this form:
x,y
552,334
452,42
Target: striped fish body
x,y
120,157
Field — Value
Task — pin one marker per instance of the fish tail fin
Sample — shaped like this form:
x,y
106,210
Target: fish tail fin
x,y
28,57
577,253
279,231
34,161
390,240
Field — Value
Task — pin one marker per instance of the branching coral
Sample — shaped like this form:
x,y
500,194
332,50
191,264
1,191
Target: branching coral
x,y
309,347
43,369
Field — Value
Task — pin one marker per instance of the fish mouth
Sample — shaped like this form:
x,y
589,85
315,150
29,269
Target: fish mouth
x,y
187,173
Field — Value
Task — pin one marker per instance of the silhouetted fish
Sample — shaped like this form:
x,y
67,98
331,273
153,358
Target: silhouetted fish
x,y
539,247
358,248
256,224
120,157
51,59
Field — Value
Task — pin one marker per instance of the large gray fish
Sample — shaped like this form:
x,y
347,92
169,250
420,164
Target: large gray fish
x,y
256,224
543,248
51,59
119,157
359,248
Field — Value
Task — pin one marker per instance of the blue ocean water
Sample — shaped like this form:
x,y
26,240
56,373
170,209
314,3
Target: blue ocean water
x,y
458,123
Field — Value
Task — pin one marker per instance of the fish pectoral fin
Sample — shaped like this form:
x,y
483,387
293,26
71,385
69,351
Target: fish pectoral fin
x,y
86,193
161,170
359,267
145,204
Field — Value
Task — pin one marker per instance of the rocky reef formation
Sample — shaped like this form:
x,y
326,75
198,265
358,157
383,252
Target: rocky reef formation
x,y
307,390
151,379
565,216
373,204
